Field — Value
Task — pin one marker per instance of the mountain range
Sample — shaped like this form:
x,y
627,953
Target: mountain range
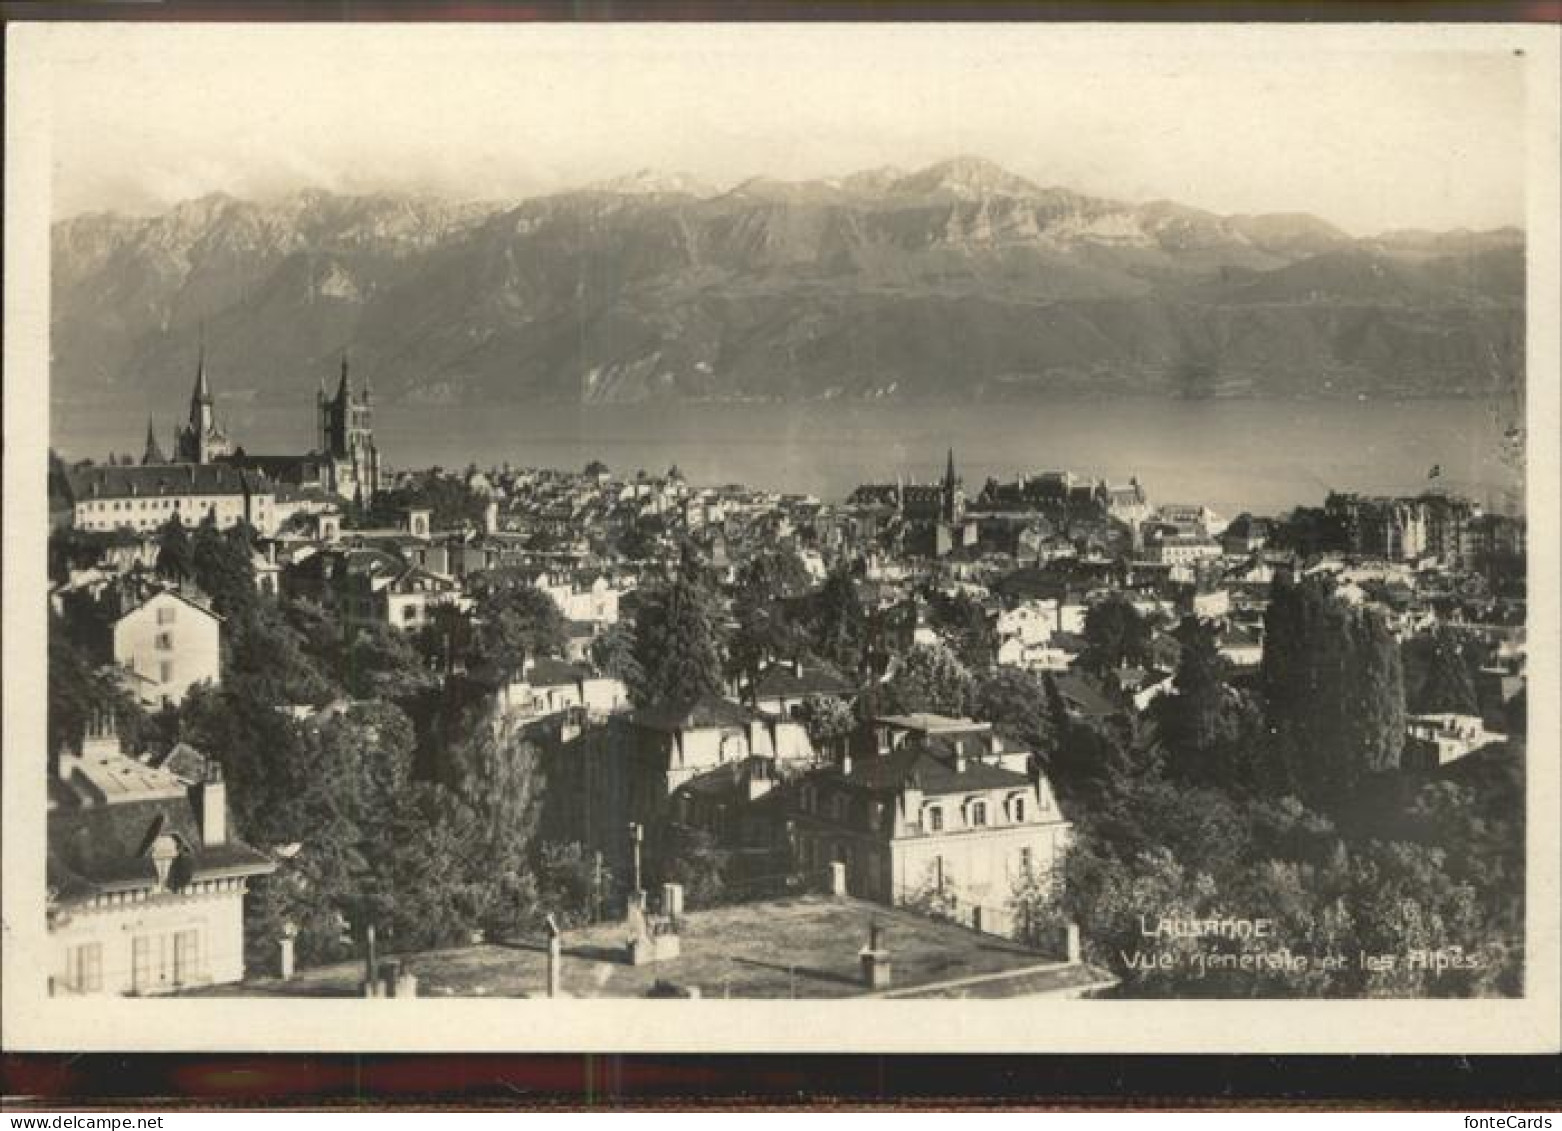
x,y
959,281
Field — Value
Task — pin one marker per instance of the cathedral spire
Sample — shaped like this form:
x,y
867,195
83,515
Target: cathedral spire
x,y
344,388
949,471
203,391
152,453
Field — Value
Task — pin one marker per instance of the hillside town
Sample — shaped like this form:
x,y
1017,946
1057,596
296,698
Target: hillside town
x,y
323,725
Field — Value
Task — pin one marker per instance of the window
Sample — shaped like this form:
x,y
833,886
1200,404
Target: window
x,y
187,956
84,968
1018,809
165,615
164,641
1025,862
165,671
978,813
935,819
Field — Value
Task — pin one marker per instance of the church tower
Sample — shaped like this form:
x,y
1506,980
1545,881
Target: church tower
x,y
153,453
201,440
347,439
953,509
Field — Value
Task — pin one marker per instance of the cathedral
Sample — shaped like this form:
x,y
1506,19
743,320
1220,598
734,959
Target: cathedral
x,y
346,462
346,428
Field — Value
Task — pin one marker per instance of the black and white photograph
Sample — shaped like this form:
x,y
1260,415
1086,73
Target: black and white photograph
x,y
1027,523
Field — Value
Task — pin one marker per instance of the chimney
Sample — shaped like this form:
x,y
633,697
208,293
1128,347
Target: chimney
x,y
101,736
211,803
960,758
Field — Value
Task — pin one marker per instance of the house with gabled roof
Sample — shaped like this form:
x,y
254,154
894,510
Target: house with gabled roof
x,y
164,639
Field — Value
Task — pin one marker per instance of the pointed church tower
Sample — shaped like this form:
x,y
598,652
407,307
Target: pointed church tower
x,y
201,440
152,454
954,504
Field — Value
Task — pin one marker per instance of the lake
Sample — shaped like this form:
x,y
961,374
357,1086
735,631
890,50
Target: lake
x,y
1263,456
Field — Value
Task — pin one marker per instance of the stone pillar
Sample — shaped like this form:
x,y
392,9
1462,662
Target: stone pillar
x,y
1071,942
555,967
837,878
285,958
406,985
875,969
672,900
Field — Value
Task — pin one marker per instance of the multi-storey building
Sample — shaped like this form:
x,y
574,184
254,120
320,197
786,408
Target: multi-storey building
x,y
145,881
940,806
144,498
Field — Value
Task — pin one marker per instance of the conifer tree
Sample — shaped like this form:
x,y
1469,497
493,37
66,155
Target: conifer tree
x,y
1333,692
840,622
1447,685
676,646
175,558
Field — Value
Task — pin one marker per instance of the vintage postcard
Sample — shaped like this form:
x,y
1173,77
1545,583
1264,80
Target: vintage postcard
x,y
893,537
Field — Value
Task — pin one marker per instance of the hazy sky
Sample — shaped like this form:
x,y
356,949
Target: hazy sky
x,y
1370,133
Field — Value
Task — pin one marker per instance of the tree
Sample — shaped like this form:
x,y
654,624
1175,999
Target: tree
x,y
1445,684
175,555
930,677
676,647
641,539
571,884
1016,702
828,721
766,588
967,627
449,640
1209,730
772,575
318,632
496,771
515,623
223,568
613,653
268,659
1115,634
383,664
79,690
840,623
1333,692
692,858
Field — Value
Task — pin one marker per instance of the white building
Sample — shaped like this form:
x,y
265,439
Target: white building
x,y
942,810
145,884
145,498
545,687
1436,739
169,642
